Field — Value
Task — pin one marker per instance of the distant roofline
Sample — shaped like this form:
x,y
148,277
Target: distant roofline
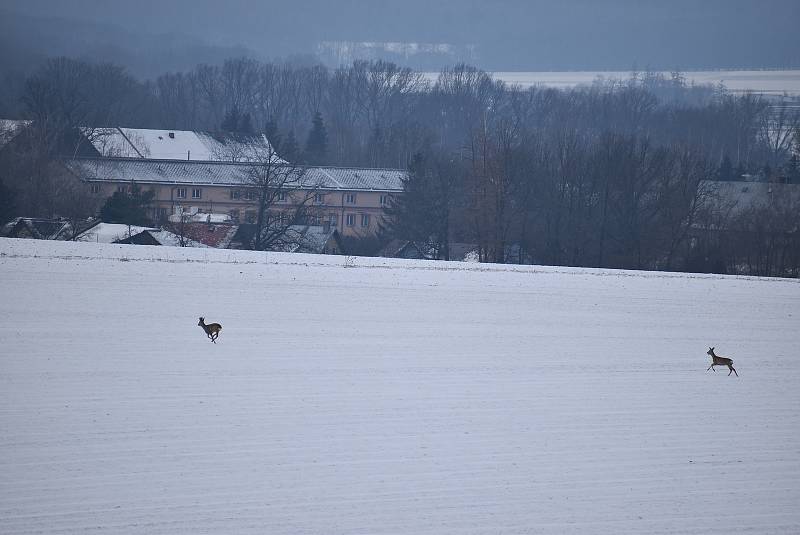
x,y
339,187
222,162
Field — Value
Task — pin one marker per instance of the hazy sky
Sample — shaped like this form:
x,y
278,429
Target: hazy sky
x,y
508,34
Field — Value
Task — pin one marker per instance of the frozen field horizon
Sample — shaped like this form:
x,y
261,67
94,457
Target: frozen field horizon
x,y
767,81
377,396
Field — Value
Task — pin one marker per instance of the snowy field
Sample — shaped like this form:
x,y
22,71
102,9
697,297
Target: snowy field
x,y
776,82
373,396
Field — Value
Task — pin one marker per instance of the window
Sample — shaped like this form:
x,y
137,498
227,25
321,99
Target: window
x,y
162,214
283,219
350,219
197,193
281,196
350,198
235,194
250,195
334,220
234,215
319,198
364,220
250,216
95,188
384,200
180,193
122,189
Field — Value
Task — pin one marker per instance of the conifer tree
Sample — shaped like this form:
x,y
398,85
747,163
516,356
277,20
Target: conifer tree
x,y
129,208
317,142
290,150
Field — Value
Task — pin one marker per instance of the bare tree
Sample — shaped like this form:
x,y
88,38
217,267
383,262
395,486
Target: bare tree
x,y
283,193
777,130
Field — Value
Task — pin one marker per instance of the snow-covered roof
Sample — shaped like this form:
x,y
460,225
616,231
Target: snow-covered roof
x,y
9,128
178,144
306,239
738,196
110,232
170,239
38,228
147,171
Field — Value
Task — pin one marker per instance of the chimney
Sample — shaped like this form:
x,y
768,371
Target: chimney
x,y
172,135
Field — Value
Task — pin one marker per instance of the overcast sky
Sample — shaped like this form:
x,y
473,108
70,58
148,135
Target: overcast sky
x,y
508,34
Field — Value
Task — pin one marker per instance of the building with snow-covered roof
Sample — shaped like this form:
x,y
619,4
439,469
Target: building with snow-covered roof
x,y
349,199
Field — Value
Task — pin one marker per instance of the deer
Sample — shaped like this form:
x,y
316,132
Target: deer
x,y
716,360
212,329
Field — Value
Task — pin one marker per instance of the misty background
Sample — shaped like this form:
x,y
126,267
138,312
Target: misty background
x,y
150,37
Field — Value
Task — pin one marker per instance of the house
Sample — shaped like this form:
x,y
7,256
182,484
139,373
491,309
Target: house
x,y
737,197
461,252
37,229
746,228
110,232
351,200
203,173
160,237
217,235
315,239
10,129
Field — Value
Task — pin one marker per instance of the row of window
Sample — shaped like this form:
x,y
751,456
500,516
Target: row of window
x,y
283,219
248,195
319,198
350,220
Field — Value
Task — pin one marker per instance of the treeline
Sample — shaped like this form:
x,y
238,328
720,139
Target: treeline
x,y
380,114
605,175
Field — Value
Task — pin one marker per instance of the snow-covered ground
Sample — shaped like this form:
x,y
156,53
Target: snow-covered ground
x,y
769,82
374,396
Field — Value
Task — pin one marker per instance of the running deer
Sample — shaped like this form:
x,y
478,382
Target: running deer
x,y
212,329
716,360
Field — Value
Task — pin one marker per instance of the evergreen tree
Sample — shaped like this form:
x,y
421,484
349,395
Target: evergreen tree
x,y
245,124
235,121
273,135
317,142
423,212
290,150
7,204
725,171
129,208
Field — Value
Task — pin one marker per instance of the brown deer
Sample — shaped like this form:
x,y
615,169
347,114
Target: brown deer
x,y
716,360
212,329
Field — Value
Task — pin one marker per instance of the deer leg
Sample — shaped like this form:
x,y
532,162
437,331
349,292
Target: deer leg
x,y
733,370
710,367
